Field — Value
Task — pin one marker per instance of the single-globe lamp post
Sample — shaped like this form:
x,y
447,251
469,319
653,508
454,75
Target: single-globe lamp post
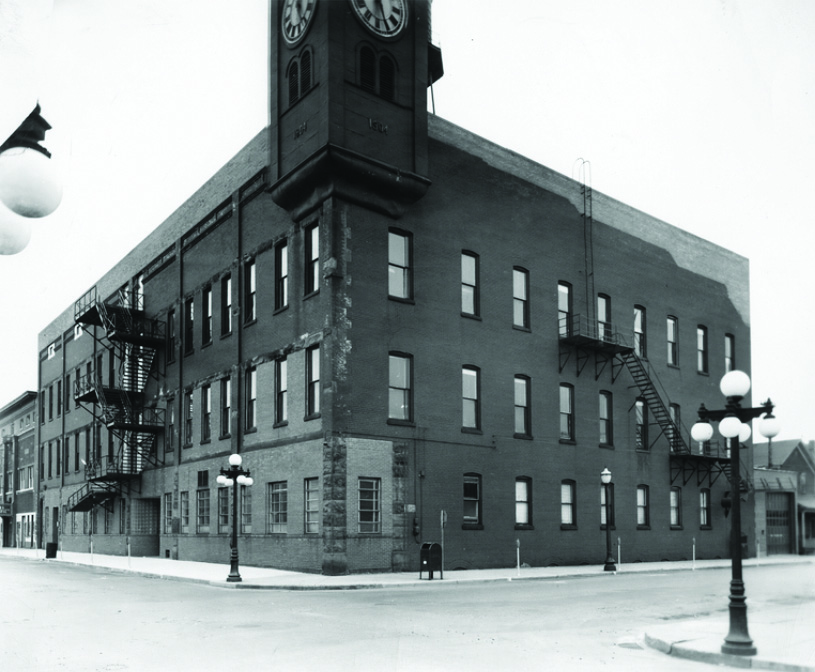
x,y
605,479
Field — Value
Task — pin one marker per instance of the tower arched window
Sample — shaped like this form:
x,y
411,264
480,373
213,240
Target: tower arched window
x,y
387,78
377,72
367,69
300,76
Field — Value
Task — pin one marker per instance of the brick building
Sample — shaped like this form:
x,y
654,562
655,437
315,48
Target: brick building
x,y
390,318
18,463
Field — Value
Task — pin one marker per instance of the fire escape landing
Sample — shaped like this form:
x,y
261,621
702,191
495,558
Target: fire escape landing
x,y
133,339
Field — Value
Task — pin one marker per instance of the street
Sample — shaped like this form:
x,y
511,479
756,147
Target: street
x,y
63,617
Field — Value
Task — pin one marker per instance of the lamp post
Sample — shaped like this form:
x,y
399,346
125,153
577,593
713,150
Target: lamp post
x,y
605,478
233,477
734,386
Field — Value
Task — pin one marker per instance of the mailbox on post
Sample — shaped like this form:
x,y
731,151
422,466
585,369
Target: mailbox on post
x,y
430,560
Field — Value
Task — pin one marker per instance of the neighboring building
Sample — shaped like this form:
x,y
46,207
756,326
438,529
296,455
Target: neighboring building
x,y
784,476
18,463
389,318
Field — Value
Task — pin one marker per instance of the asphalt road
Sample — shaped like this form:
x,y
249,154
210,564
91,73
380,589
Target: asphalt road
x,y
61,617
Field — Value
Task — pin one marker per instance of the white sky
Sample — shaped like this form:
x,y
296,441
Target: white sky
x,y
699,112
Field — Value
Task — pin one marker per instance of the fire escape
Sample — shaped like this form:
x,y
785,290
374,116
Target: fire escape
x,y
586,339
133,339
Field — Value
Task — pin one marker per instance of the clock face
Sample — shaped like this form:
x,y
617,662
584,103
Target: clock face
x,y
385,18
296,19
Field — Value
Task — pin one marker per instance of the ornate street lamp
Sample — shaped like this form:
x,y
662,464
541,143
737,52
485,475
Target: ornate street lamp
x,y
605,478
734,386
233,477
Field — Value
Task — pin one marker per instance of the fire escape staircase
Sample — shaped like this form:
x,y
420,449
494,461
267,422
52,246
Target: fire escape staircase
x,y
582,337
134,339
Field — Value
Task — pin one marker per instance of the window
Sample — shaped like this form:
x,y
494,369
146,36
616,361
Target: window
x,y
469,283
76,452
187,419
640,425
299,77
387,78
281,278
206,317
673,340
313,381
399,265
51,402
311,497
170,337
606,419
226,406
676,507
729,353
523,407
604,330
67,394
568,508
169,440
168,512
223,510
312,261
470,407
472,500
246,509
606,505
202,511
520,298
701,349
281,391
206,412
377,75
294,82
370,506
251,383
523,502
640,340
226,305
564,309
67,452
189,319
59,398
566,412
278,508
704,507
399,387
367,69
675,438
249,292
643,509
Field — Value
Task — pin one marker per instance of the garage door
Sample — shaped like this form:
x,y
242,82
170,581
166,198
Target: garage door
x,y
779,523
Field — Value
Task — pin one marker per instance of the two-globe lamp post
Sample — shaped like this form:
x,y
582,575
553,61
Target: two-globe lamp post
x,y
605,479
233,477
732,425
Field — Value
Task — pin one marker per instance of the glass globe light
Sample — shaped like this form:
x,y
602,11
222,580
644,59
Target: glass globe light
x,y
701,432
605,476
29,183
241,480
15,231
735,384
221,480
229,482
235,460
769,426
730,426
744,432
249,481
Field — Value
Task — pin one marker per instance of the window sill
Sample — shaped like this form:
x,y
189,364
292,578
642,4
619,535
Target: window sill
x,y
643,527
249,323
705,527
524,437
676,527
567,442
472,526
187,445
519,526
568,527
472,316
312,416
399,299
226,334
607,446
401,423
221,437
311,294
281,309
518,327
205,441
603,528
471,430
250,430
277,425
206,344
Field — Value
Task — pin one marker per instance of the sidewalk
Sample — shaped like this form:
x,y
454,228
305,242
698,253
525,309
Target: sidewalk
x,y
783,635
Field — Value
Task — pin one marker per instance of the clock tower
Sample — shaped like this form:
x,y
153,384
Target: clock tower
x,y
348,102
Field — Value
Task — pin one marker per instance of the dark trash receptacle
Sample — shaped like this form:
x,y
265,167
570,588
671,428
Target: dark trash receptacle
x,y
50,550
430,559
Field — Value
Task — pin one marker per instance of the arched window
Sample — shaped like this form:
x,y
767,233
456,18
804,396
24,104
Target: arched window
x,y
294,82
299,76
387,78
305,72
367,69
